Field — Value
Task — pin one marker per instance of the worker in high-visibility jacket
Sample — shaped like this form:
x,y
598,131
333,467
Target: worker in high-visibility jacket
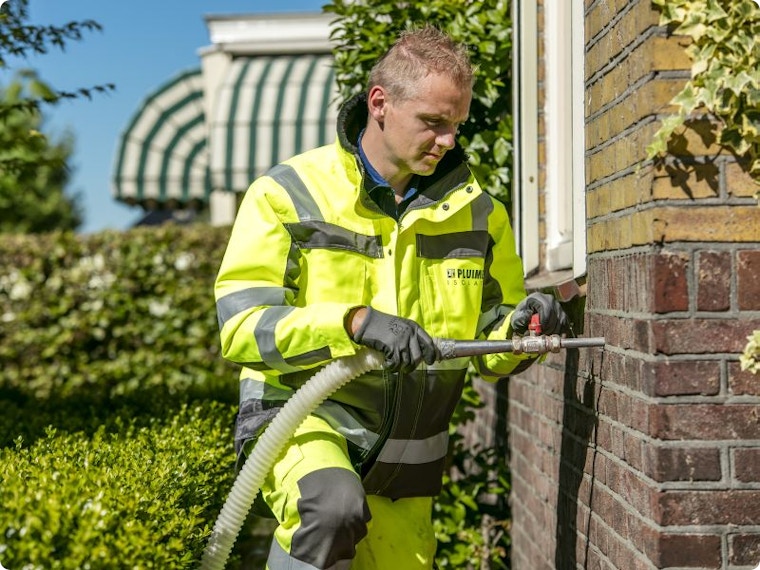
x,y
383,239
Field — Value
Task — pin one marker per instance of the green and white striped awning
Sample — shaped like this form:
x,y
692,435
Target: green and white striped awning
x,y
162,159
268,109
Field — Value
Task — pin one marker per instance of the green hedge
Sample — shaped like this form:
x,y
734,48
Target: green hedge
x,y
112,313
117,409
134,497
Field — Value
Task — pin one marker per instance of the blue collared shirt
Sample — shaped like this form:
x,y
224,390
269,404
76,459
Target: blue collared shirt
x,y
380,190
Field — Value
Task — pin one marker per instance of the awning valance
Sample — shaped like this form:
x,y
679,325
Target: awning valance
x,y
268,109
162,157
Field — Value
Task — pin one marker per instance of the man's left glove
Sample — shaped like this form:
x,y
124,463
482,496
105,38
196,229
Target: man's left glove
x,y
553,317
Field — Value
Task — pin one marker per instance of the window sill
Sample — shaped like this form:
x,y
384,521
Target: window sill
x,y
562,284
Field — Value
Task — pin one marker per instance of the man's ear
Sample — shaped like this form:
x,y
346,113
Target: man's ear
x,y
377,102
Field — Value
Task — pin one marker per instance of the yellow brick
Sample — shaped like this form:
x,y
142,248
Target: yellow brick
x,y
669,53
686,183
621,154
597,237
698,137
718,224
598,131
736,224
598,202
636,66
621,35
738,181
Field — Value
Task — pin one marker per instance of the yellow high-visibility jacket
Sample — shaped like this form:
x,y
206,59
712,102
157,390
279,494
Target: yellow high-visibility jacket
x,y
308,244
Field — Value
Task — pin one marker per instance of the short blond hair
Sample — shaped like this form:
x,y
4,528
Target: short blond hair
x,y
416,54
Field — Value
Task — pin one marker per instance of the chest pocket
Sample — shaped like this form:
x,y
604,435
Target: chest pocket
x,y
452,272
333,261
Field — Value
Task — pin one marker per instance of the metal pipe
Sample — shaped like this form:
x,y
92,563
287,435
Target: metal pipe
x,y
538,344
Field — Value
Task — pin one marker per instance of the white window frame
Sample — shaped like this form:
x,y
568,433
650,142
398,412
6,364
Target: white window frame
x,y
564,122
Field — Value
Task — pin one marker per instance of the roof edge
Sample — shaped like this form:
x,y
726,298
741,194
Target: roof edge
x,y
289,32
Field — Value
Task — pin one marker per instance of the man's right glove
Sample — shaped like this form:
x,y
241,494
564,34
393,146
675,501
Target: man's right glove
x,y
553,317
403,342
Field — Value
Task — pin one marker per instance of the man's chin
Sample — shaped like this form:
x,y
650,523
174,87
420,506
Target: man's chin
x,y
426,168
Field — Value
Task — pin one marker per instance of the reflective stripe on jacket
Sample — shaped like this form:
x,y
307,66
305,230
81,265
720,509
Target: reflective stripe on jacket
x,y
308,244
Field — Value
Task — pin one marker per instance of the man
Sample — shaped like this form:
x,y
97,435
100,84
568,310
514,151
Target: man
x,y
385,240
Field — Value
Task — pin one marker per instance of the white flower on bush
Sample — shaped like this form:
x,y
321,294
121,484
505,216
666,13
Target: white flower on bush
x,y
7,318
16,285
20,290
92,270
94,306
158,308
93,263
54,282
184,261
101,281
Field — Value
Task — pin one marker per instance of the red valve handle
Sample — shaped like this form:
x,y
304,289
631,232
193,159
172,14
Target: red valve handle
x,y
535,325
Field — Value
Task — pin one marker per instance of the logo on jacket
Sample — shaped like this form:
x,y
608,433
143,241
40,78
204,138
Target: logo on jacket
x,y
462,276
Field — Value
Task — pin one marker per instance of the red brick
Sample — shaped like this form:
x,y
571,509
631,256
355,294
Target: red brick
x,y
625,369
748,280
743,549
681,378
742,382
667,550
747,464
708,422
701,336
734,507
670,288
682,463
713,281
620,332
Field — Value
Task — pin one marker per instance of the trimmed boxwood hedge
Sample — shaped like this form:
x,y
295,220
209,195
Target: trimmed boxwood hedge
x,y
121,497
117,409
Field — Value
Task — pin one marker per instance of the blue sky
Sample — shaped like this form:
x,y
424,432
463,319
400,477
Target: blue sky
x,y
143,43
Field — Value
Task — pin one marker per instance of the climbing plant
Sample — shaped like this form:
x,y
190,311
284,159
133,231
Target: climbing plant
x,y
725,73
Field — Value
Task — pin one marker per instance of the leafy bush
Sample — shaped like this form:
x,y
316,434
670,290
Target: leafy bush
x,y
471,514
136,497
116,431
111,314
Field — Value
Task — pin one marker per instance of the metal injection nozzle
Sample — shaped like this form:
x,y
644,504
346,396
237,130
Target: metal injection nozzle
x,y
533,343
450,348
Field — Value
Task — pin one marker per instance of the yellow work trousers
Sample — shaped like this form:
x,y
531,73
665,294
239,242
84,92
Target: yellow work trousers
x,y
327,522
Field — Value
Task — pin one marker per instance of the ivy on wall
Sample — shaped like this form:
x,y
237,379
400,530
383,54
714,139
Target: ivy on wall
x,y
725,73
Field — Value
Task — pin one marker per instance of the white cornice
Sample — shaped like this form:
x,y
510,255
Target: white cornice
x,y
288,32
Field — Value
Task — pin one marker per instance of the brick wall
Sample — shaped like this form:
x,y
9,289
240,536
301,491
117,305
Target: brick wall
x,y
646,454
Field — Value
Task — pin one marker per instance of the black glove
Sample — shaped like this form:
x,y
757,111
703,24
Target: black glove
x,y
553,317
403,342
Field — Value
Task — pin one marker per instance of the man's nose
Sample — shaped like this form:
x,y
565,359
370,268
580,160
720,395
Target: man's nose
x,y
447,138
